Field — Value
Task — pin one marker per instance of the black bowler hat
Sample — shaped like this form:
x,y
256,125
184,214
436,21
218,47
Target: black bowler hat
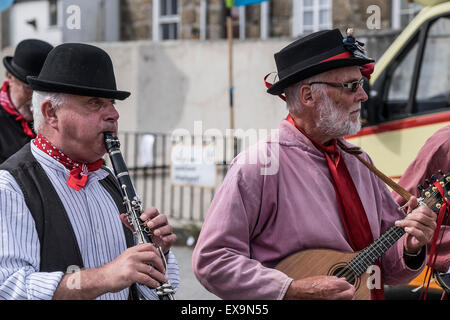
x,y
79,69
316,53
28,59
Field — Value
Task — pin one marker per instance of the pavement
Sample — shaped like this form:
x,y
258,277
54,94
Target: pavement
x,y
190,288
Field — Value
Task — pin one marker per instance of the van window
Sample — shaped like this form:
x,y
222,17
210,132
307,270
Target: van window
x,y
400,83
433,91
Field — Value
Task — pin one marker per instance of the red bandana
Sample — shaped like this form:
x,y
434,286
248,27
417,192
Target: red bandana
x,y
353,215
78,171
7,105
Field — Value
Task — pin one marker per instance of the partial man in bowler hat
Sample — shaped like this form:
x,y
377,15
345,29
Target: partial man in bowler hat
x,y
321,197
64,232
16,118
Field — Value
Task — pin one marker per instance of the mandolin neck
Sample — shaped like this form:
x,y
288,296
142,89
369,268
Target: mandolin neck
x,y
372,253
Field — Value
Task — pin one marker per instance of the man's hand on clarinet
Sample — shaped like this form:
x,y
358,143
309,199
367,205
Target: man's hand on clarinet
x,y
159,225
141,263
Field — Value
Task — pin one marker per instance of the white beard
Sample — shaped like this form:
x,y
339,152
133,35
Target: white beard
x,y
333,122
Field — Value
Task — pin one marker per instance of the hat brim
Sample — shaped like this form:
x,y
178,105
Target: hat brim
x,y
299,75
16,73
52,86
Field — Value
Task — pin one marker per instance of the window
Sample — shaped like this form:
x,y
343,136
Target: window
x,y
238,22
433,90
403,12
408,11
53,12
311,16
239,18
401,83
401,79
166,19
432,76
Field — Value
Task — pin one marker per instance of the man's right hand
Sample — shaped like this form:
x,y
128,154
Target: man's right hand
x,y
141,264
320,288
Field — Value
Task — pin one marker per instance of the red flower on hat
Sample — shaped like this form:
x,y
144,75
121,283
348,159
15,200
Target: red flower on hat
x,y
367,70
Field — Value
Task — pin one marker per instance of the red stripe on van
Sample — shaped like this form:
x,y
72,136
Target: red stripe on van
x,y
403,124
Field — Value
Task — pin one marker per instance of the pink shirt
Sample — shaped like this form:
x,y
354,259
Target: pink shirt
x,y
255,220
433,156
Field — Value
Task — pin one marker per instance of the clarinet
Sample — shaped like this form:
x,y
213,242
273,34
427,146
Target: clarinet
x,y
134,206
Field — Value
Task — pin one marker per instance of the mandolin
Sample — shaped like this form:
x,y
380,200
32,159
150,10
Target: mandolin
x,y
356,266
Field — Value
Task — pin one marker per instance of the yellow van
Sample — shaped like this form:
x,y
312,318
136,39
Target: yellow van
x,y
409,94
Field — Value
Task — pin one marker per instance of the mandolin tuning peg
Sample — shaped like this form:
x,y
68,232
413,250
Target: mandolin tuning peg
x,y
434,177
441,172
420,187
427,181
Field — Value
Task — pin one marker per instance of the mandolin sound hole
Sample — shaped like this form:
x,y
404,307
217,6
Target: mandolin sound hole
x,y
341,270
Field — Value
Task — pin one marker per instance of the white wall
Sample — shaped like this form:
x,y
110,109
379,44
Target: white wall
x,y
25,11
174,84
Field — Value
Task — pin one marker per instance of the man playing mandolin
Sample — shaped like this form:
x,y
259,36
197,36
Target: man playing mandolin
x,y
321,197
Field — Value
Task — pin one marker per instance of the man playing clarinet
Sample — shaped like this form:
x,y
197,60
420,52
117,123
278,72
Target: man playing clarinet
x,y
61,208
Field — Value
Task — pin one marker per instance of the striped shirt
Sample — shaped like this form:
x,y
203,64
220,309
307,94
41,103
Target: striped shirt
x,y
95,221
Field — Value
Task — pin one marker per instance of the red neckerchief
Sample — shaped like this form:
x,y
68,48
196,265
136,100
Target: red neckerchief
x,y
351,210
7,105
78,171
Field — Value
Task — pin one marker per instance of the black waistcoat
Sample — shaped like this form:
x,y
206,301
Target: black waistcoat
x,y
58,243
12,137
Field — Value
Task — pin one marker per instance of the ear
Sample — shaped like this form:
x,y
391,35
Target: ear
x,y
49,113
306,97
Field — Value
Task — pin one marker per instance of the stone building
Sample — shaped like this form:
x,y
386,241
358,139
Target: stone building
x,y
130,20
205,19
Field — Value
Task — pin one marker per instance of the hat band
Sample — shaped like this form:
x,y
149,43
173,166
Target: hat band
x,y
268,85
285,72
343,55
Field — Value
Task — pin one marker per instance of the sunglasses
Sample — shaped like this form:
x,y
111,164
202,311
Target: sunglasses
x,y
353,86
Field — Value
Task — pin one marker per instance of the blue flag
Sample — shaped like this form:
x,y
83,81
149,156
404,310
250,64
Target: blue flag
x,y
239,3
5,4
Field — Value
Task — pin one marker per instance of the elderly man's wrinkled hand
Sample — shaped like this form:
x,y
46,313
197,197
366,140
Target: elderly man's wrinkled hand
x,y
419,226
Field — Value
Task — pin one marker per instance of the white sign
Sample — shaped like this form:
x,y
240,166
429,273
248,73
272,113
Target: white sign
x,y
146,149
193,165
